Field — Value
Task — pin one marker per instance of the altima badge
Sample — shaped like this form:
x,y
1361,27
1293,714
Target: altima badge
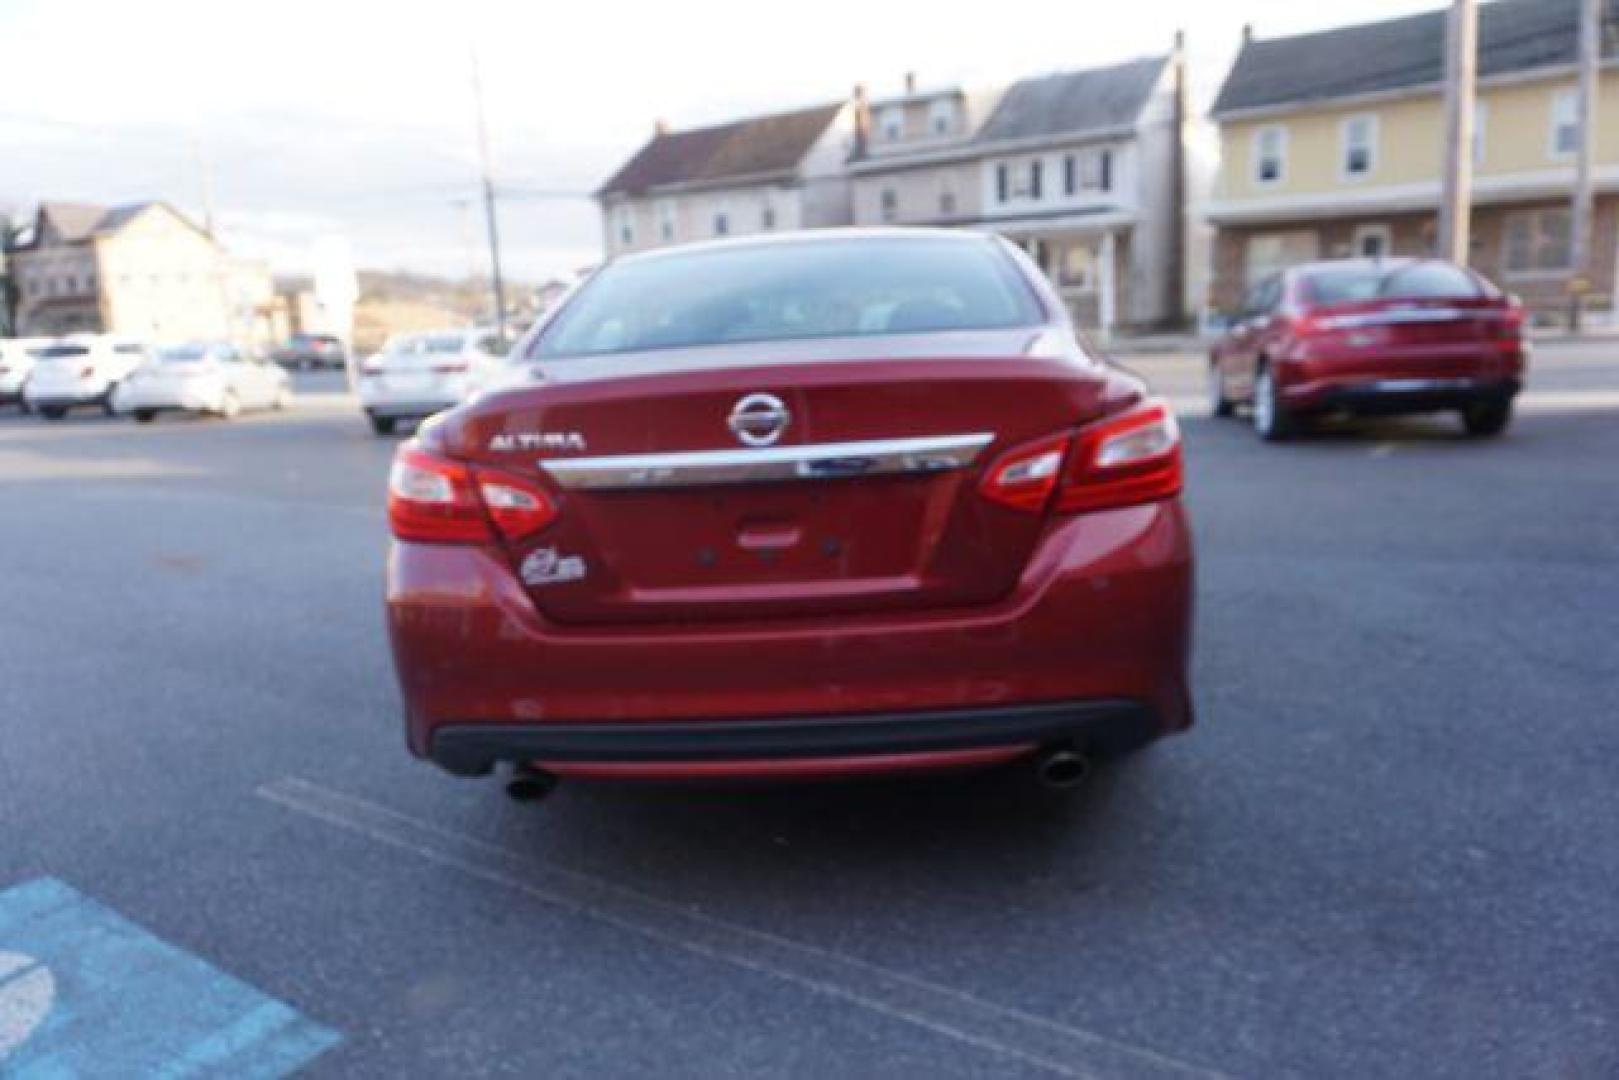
x,y
544,566
506,442
759,419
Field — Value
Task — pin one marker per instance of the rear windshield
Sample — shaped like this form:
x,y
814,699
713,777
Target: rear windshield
x,y
1413,281
824,288
61,352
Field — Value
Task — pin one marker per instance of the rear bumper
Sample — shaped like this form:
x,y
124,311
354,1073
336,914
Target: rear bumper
x,y
1397,394
1106,726
1093,643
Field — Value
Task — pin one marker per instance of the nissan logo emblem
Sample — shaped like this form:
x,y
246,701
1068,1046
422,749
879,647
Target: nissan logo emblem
x,y
759,419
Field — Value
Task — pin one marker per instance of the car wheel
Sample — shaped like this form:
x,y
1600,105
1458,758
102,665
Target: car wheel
x,y
52,412
383,425
229,407
1219,404
1485,418
145,416
1272,421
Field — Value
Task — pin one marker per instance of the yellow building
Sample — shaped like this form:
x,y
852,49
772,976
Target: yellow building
x,y
1333,145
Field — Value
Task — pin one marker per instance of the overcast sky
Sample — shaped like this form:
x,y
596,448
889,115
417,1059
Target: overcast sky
x,y
335,117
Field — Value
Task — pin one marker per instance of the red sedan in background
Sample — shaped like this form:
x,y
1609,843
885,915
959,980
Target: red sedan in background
x,y
1371,336
809,505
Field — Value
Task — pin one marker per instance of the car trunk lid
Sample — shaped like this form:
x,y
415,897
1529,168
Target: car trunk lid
x,y
864,500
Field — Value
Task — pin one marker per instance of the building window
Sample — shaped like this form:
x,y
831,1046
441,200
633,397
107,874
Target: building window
x,y
890,204
1372,242
626,227
1001,184
1565,124
1270,155
1359,135
722,224
666,222
1070,175
947,203
767,218
1096,171
942,117
1036,168
891,122
1538,241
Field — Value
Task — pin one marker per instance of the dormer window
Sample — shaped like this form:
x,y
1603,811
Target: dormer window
x,y
942,117
891,123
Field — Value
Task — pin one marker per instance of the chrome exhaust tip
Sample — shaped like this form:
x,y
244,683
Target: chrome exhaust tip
x,y
528,784
1063,769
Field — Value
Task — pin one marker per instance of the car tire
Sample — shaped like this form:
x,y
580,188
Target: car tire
x,y
1483,419
1219,404
52,412
383,425
1272,420
145,416
229,406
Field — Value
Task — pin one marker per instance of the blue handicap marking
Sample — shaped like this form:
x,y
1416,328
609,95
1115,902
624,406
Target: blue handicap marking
x,y
85,992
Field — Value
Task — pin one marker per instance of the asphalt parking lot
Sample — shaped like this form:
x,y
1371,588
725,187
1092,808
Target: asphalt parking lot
x,y
1388,848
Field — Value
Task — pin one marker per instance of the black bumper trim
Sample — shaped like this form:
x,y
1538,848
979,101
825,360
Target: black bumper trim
x,y
1106,727
1374,398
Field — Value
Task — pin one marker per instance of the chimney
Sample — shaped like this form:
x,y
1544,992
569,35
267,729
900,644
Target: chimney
x,y
1247,33
910,82
1180,42
862,121
660,127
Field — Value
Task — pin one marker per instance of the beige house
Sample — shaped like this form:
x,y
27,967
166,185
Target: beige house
x,y
141,270
1085,170
783,171
1316,167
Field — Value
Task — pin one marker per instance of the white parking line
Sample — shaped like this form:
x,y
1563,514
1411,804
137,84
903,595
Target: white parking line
x,y
1010,1032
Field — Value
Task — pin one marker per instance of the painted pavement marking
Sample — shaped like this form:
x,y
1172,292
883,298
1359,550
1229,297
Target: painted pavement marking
x,y
86,992
998,1029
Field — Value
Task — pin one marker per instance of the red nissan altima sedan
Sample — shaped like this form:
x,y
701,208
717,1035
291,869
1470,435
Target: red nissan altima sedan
x,y
1371,336
821,504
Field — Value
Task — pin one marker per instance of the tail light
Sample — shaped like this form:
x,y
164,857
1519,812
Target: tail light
x,y
1124,460
1509,323
434,500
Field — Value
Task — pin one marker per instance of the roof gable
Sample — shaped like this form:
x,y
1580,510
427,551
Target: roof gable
x,y
753,147
1074,102
1513,35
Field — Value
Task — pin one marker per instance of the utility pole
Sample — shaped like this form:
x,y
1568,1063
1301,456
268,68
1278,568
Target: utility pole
x,y
1586,118
489,204
1456,193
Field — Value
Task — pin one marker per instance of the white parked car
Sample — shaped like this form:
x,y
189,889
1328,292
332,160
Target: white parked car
x,y
80,369
203,377
416,375
17,356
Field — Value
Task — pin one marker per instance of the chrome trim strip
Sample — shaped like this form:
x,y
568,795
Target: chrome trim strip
x,y
822,461
1408,386
1403,316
